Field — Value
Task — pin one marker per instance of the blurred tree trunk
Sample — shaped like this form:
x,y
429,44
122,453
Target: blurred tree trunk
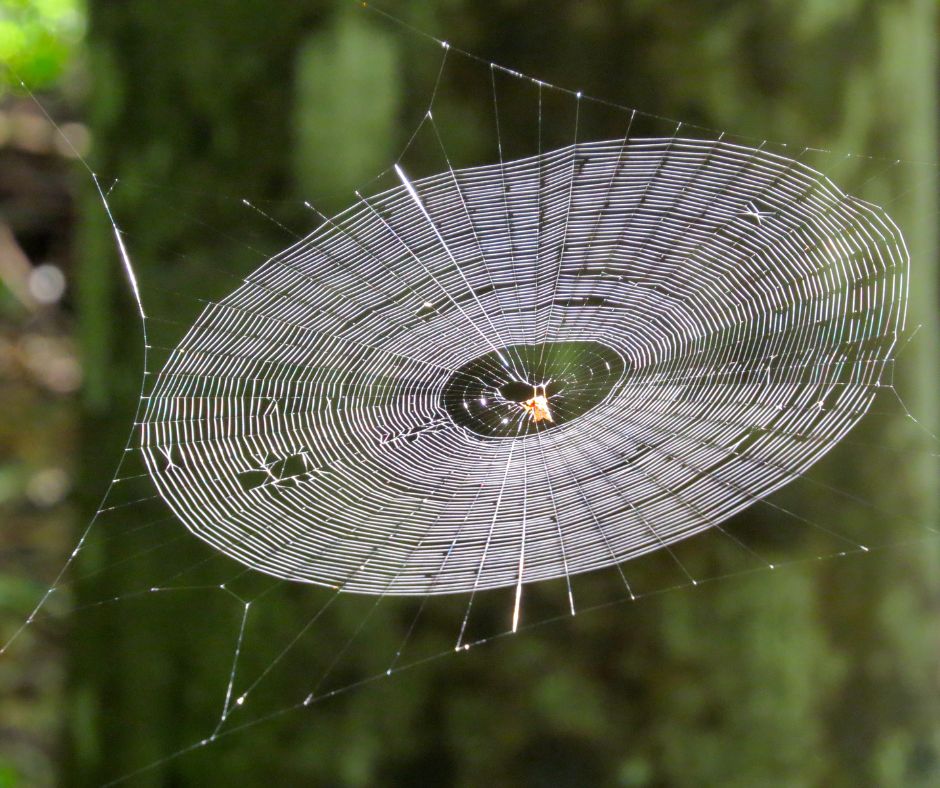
x,y
177,115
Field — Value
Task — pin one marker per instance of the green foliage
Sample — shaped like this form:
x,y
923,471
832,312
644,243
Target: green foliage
x,y
764,689
38,39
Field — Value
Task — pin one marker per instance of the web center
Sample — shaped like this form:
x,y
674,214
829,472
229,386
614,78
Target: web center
x,y
528,388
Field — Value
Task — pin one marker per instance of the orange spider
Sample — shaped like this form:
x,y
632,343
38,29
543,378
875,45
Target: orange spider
x,y
537,406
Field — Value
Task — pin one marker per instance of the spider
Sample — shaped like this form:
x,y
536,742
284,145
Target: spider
x,y
537,406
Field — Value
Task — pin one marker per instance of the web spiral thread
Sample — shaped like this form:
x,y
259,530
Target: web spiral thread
x,y
706,320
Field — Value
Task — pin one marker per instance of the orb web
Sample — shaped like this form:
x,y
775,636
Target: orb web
x,y
703,321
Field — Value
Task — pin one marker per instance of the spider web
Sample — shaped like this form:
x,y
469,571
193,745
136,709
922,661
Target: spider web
x,y
748,305
707,316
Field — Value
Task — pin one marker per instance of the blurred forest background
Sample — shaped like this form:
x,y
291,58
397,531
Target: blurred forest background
x,y
826,673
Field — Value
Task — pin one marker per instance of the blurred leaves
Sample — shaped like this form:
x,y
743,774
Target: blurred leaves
x,y
38,39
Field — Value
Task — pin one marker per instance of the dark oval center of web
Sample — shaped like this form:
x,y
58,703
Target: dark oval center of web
x,y
525,388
